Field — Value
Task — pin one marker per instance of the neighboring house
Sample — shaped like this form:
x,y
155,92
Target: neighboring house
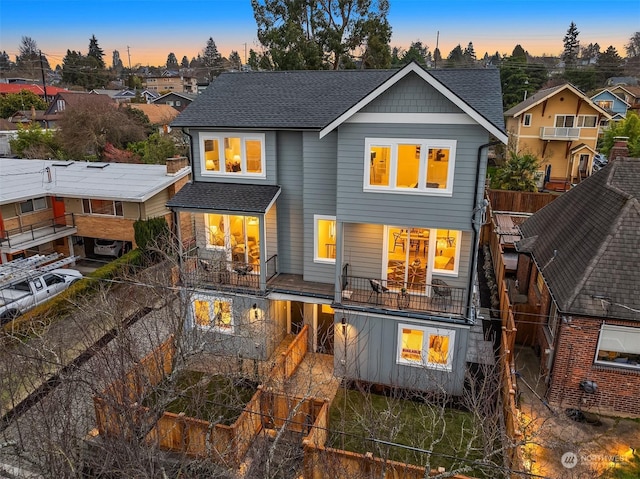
x,y
580,268
159,115
28,117
8,88
558,125
348,201
119,96
8,131
614,81
630,94
177,83
179,101
67,101
612,104
63,206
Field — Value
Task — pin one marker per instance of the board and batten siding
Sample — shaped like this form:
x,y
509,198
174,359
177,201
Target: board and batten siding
x,y
372,353
454,212
270,160
290,209
319,198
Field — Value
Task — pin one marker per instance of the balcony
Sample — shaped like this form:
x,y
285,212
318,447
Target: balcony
x,y
227,275
30,236
383,294
550,133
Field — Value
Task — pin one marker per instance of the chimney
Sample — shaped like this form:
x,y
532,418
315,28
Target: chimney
x,y
620,148
176,164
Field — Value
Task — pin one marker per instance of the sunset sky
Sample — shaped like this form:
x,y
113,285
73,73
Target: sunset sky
x,y
153,29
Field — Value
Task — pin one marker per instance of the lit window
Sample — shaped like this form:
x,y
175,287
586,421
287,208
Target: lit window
x,y
325,239
428,347
619,346
409,166
213,313
447,252
605,104
238,235
233,155
526,119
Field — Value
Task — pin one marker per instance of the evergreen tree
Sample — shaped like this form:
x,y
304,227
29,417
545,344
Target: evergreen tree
x,y
590,53
235,60
571,47
633,55
417,53
185,62
211,59
172,62
116,62
29,52
609,64
96,52
456,58
5,62
437,58
253,60
518,54
469,55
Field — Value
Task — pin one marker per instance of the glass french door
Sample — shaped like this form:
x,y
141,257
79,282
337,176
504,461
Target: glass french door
x,y
239,236
407,258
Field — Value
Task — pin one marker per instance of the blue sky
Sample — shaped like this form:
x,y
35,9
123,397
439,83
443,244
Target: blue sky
x,y
153,28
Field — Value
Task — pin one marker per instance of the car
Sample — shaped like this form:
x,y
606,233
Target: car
x,y
599,162
107,247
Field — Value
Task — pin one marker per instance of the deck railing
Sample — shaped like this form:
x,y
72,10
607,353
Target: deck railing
x,y
38,230
380,293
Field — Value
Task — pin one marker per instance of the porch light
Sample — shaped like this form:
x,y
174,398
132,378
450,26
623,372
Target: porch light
x,y
343,321
255,310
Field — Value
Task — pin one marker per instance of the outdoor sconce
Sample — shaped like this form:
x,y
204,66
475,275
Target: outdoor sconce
x,y
255,310
343,321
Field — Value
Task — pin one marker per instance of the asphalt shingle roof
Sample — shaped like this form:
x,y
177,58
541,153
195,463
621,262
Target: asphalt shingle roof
x,y
235,197
594,230
312,99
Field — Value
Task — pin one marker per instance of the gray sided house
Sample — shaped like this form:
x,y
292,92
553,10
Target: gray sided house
x,y
348,201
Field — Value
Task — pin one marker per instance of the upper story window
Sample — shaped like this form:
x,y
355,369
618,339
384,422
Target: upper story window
x,y
526,119
571,121
324,250
60,105
34,204
605,104
587,121
102,207
409,166
232,154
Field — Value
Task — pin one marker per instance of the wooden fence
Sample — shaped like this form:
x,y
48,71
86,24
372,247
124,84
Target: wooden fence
x,y
289,360
520,201
508,381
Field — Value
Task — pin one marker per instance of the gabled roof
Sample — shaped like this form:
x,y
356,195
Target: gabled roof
x,y
158,114
22,179
582,146
585,243
600,93
186,96
6,125
547,93
314,99
633,91
229,197
73,99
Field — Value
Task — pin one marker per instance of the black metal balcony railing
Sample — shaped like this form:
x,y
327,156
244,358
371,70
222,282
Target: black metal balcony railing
x,y
37,230
437,297
231,274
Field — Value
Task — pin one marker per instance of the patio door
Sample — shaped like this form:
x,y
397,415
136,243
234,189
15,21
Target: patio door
x,y
407,258
238,236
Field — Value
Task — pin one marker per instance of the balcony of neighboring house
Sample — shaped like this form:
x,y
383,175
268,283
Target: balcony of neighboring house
x,y
21,238
559,133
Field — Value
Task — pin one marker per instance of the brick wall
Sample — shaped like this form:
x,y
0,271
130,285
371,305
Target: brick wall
x,y
618,388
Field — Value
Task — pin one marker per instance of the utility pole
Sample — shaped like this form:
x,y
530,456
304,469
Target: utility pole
x,y
245,53
129,55
44,82
435,59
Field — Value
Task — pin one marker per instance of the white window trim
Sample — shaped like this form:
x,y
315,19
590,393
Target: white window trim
x,y
555,121
316,258
526,120
581,118
425,145
211,300
243,137
450,333
620,329
456,265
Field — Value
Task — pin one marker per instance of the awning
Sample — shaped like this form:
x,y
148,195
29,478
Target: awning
x,y
230,197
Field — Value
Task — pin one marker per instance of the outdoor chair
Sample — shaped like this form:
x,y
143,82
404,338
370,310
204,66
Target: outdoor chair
x,y
377,289
441,291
